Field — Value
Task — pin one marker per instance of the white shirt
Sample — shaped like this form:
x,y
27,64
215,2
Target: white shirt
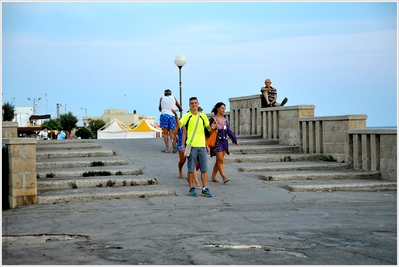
x,y
167,104
43,134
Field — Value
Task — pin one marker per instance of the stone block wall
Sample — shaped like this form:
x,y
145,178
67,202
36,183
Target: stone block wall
x,y
245,115
329,135
374,149
22,180
289,124
9,129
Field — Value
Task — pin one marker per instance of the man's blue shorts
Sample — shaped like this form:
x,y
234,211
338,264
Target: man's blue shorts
x,y
167,121
197,153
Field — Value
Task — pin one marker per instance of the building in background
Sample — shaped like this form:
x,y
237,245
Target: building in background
x,y
22,115
120,115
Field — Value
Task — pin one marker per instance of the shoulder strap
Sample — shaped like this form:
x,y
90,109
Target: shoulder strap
x,y
196,126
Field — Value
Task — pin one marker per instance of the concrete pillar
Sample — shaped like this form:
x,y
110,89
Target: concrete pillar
x,y
9,129
22,180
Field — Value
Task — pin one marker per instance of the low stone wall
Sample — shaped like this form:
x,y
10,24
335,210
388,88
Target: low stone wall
x,y
374,149
343,137
286,122
329,134
9,129
22,180
245,115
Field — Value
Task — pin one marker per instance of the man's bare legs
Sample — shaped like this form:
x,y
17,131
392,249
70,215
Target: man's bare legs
x,y
165,132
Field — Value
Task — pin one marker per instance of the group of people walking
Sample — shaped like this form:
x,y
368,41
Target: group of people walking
x,y
191,130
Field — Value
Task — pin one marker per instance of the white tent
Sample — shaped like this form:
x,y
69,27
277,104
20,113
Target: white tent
x,y
114,129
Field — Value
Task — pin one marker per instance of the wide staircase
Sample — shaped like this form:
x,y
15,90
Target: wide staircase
x,y
301,172
83,170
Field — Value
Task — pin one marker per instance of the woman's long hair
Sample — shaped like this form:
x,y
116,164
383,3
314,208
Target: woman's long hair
x,y
218,105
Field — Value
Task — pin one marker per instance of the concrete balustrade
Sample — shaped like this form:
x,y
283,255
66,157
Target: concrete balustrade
x,y
245,115
329,135
345,137
374,149
287,122
22,180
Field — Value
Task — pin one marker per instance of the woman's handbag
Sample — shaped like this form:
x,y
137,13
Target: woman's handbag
x,y
211,140
187,151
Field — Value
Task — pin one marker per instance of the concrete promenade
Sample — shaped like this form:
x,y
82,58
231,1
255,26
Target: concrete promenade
x,y
248,221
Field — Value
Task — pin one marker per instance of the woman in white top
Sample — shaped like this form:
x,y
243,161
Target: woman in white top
x,y
167,119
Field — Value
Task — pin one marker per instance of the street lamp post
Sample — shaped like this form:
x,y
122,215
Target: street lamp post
x,y
34,104
180,60
85,109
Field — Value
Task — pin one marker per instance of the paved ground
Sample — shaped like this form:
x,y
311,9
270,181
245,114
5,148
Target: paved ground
x,y
247,221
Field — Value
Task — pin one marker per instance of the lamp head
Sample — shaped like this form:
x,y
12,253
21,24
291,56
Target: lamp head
x,y
180,60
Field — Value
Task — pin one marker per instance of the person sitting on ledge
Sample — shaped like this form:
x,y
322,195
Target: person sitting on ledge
x,y
269,94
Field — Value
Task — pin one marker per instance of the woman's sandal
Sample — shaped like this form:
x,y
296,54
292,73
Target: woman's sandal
x,y
226,180
215,181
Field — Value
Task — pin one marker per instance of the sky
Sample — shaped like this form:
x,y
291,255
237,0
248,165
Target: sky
x,y
91,56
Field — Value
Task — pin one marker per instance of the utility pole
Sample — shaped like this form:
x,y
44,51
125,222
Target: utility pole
x,y
58,110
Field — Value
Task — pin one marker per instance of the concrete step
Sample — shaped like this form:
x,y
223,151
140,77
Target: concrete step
x,y
284,157
66,141
78,172
315,175
263,149
75,153
257,141
350,185
101,193
76,162
292,166
249,136
93,182
68,146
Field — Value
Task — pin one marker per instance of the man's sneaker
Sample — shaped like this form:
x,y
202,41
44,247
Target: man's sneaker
x,y
284,101
192,192
206,192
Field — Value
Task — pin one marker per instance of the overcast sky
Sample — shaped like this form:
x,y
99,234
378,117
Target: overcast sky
x,y
340,57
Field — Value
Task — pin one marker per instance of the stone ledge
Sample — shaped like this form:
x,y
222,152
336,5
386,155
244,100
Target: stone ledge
x,y
336,118
19,141
297,107
5,124
373,131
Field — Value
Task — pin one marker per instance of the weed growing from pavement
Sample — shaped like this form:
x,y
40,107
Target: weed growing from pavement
x,y
97,163
287,158
329,158
152,181
133,183
119,173
73,184
110,183
96,173
50,175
